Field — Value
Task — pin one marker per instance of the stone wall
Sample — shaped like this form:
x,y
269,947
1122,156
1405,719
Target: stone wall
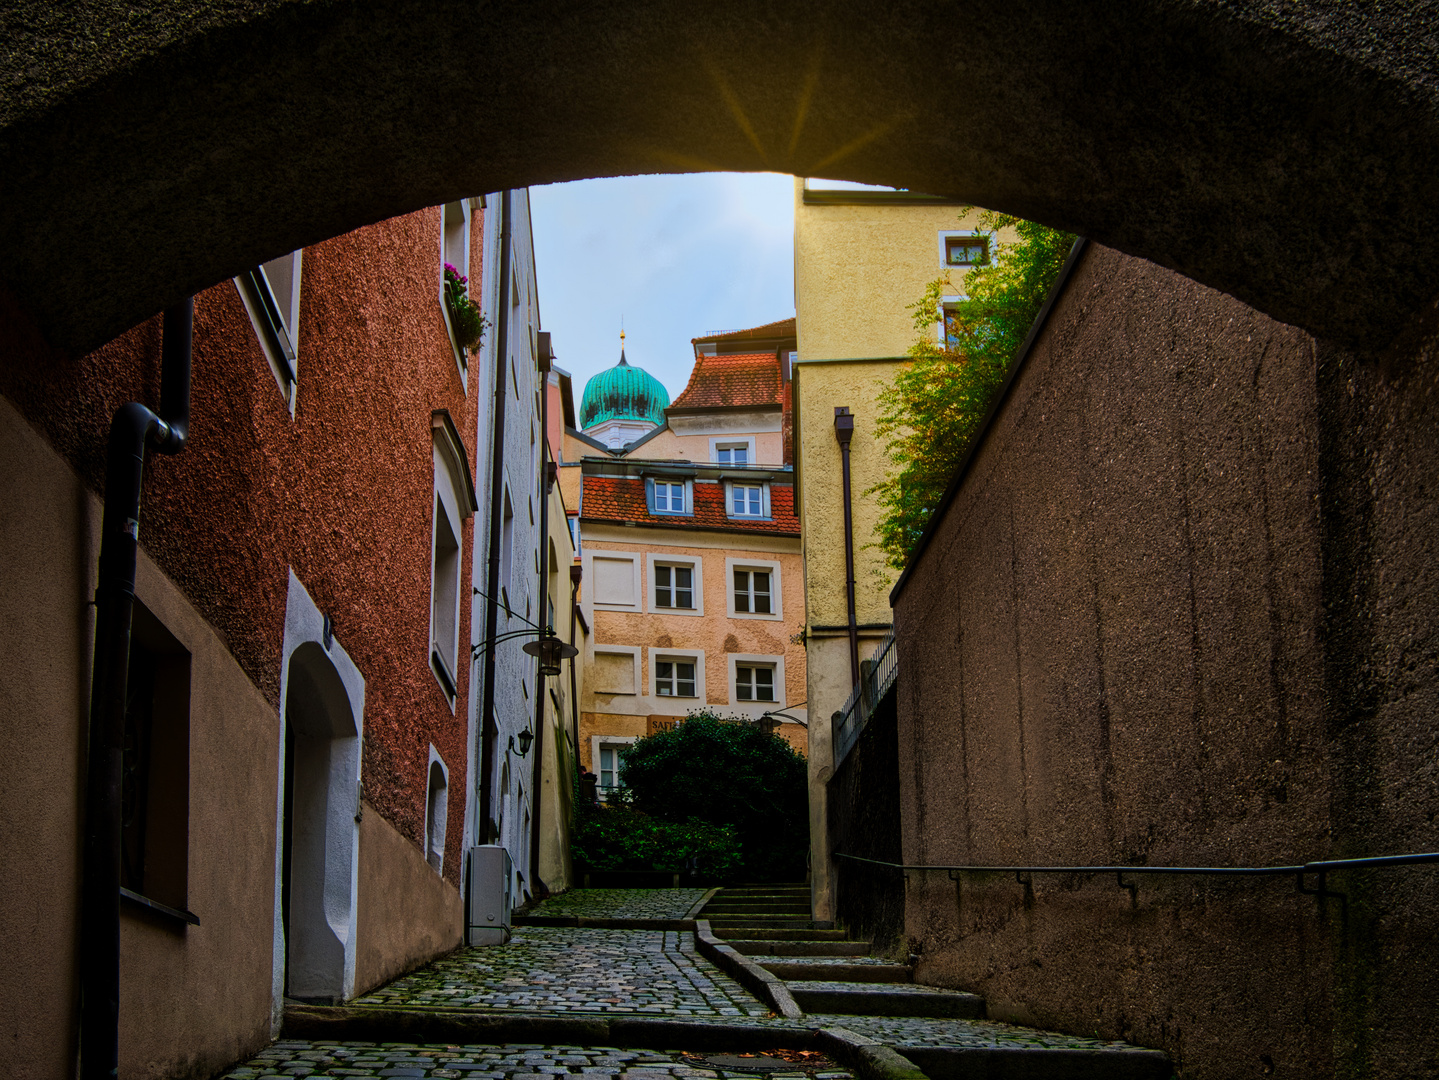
x,y
1180,612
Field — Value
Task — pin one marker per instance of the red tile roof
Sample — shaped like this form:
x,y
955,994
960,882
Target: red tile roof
x,y
732,379
621,498
778,329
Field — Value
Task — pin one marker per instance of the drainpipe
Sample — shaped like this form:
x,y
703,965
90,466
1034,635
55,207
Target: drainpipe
x,y
577,572
492,569
133,428
844,431
547,469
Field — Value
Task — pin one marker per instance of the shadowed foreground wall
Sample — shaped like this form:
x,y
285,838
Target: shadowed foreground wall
x,y
1181,611
863,808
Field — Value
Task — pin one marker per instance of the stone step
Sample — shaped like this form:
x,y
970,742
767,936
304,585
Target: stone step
x,y
758,922
810,947
834,969
769,933
877,999
1032,1062
731,907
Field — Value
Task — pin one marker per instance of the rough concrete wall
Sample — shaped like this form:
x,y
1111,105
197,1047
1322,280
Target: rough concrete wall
x,y
1112,654
864,821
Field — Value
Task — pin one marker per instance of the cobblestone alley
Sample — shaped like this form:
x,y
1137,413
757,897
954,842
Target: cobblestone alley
x,y
660,1009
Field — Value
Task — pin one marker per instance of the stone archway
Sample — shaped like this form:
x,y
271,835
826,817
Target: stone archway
x,y
1285,154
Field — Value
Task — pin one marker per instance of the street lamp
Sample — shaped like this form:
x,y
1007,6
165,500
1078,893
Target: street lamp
x,y
548,647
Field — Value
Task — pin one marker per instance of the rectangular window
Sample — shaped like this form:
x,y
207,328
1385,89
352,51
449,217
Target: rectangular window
x,y
445,596
155,766
746,500
609,767
752,592
674,678
732,454
674,586
966,250
669,498
754,683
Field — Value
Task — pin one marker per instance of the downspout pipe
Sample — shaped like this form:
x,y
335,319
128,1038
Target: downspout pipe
x,y
844,432
546,482
133,428
487,831
577,573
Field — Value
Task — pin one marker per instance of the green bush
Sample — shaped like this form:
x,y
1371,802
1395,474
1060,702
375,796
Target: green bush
x,y
619,837
466,319
731,775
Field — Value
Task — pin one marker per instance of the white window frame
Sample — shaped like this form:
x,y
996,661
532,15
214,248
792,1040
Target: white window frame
x,y
683,481
945,235
776,598
636,589
636,680
285,368
719,441
763,485
436,818
452,248
738,660
670,704
604,742
946,302
694,562
453,502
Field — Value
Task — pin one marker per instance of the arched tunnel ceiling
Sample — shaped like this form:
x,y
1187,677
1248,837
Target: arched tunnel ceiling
x,y
1282,152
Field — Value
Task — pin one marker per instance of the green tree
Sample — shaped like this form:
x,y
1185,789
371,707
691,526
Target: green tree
x,y
932,410
727,773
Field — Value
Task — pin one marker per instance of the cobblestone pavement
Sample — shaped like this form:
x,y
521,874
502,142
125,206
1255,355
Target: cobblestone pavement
x,y
575,969
622,903
516,1061
902,1031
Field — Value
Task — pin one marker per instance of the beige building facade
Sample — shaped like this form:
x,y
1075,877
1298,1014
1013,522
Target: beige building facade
x,y
861,258
694,581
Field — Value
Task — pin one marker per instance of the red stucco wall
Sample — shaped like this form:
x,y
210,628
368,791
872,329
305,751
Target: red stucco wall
x,y
342,492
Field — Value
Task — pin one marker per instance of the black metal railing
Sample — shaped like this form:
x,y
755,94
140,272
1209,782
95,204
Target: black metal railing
x,y
1319,869
877,675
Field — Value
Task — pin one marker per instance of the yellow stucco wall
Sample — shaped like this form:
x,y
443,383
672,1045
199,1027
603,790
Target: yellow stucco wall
x,y
857,267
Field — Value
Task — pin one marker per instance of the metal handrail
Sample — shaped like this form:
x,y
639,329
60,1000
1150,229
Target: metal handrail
x,y
1320,868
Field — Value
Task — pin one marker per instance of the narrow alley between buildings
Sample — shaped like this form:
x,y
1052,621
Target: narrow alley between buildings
x,y
620,982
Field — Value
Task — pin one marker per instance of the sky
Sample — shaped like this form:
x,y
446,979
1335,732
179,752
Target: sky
x,y
675,257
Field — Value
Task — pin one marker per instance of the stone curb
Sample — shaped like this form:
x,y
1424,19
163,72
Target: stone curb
x,y
873,1060
759,982
1041,1062
870,1060
595,923
378,1023
694,912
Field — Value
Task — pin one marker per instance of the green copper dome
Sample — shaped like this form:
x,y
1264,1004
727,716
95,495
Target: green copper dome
x,y
623,393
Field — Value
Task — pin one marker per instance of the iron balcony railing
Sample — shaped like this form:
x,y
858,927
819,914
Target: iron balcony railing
x,y
876,676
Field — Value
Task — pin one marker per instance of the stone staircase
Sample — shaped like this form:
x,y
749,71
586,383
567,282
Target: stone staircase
x,y
823,970
763,936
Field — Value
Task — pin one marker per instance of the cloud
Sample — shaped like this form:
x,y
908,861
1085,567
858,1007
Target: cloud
x,y
676,256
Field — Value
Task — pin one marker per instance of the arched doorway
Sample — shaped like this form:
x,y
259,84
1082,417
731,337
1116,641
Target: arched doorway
x,y
322,722
1287,158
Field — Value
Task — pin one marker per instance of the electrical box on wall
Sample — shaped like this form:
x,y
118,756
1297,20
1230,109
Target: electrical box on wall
x,y
489,899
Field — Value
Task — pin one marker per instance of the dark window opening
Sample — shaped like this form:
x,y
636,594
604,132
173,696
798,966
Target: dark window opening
x,y
155,766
